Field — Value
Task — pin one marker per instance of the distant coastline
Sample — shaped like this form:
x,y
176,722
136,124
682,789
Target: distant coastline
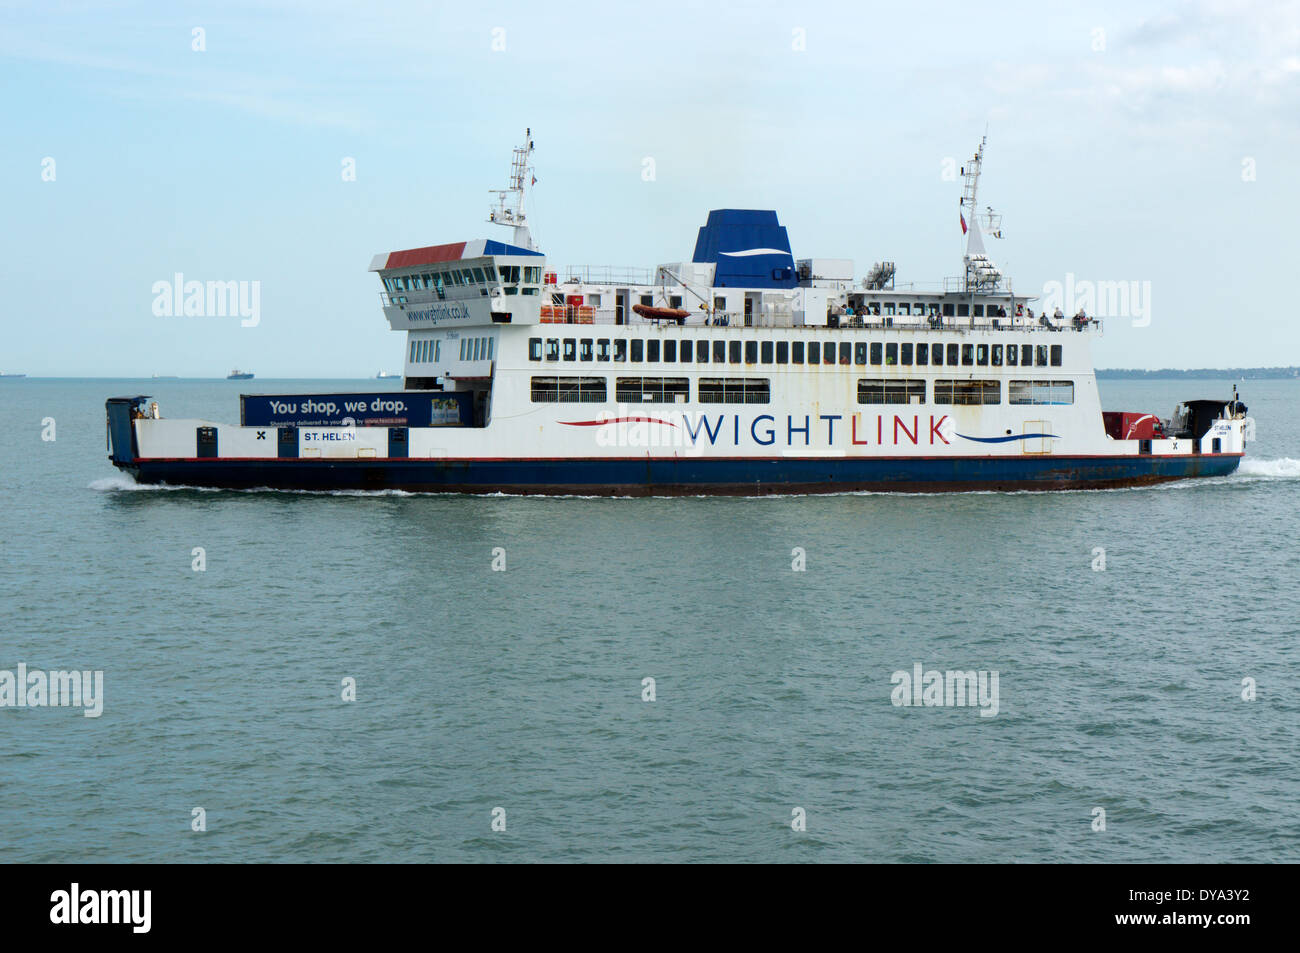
x,y
1199,373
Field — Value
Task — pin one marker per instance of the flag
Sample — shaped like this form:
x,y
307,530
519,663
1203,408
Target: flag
x,y
534,180
963,222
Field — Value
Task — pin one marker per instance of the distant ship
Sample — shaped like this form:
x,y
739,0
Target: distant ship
x,y
4,374
385,376
165,377
238,375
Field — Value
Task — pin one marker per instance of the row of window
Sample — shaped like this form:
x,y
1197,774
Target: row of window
x,y
471,349
758,390
875,353
426,350
480,276
477,349
651,390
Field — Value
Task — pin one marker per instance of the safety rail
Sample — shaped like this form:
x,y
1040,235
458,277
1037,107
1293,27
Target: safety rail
x,y
580,314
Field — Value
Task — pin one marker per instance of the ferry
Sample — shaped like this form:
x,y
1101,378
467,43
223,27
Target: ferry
x,y
238,375
741,370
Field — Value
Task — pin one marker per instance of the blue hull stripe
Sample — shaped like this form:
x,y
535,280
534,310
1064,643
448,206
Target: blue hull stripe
x,y
685,475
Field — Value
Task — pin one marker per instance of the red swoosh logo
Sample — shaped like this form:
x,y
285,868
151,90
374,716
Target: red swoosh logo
x,y
617,420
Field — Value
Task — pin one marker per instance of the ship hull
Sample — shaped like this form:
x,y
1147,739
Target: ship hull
x,y
686,476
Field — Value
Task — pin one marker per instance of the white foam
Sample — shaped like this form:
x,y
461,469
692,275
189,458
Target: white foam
x,y
1284,468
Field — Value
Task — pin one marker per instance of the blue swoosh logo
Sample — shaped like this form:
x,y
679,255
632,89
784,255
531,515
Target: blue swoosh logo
x,y
1008,438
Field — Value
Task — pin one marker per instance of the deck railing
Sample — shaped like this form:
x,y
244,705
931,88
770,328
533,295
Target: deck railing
x,y
575,314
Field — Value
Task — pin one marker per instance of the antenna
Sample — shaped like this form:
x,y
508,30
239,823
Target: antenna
x,y
509,210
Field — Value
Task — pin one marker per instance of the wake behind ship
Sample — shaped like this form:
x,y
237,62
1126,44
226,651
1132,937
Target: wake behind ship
x,y
740,371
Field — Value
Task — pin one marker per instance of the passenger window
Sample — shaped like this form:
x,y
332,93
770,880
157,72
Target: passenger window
x,y
783,352
720,352
814,352
877,352
1056,355
1040,355
552,349
765,352
733,351
620,350
968,354
638,350
905,354
922,353
828,353
602,349
891,354
982,355
670,351
652,350
534,349
751,352
570,349
997,355
688,351
796,352
584,349
846,352
952,355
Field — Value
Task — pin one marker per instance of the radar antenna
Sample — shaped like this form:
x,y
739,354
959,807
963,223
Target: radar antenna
x,y
509,209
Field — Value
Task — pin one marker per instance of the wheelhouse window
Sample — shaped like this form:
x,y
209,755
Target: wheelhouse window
x,y
652,390
1040,392
568,390
881,391
967,392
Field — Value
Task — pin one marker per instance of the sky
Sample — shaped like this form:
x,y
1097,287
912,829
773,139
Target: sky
x,y
1127,142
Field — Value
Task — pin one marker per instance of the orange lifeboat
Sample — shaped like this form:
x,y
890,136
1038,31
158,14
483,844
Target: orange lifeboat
x,y
661,314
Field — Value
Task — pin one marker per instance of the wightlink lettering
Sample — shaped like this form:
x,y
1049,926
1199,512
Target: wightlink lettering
x,y
821,430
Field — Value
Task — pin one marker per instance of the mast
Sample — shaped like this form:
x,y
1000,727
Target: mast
x,y
509,210
980,273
